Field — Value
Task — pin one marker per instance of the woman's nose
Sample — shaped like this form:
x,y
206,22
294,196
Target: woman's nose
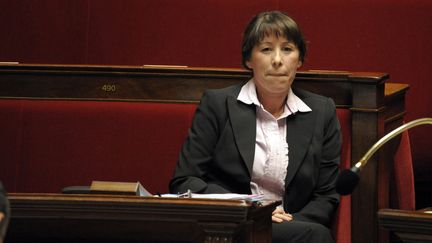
x,y
276,58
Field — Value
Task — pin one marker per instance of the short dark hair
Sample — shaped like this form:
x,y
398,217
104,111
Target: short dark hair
x,y
267,23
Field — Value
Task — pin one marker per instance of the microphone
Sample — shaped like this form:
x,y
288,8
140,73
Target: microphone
x,y
348,179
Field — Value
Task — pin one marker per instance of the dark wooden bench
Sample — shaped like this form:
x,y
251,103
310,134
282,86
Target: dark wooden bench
x,y
64,125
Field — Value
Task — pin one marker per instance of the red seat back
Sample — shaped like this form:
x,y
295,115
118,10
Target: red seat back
x,y
43,142
402,186
341,227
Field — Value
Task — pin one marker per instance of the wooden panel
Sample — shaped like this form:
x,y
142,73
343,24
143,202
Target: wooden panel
x,y
155,83
409,226
101,218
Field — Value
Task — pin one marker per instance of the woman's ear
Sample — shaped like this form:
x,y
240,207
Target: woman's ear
x,y
248,65
299,64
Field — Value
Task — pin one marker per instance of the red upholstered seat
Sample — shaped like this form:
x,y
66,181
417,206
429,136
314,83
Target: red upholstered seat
x,y
50,144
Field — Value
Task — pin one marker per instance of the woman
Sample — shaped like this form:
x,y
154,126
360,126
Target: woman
x,y
4,212
264,137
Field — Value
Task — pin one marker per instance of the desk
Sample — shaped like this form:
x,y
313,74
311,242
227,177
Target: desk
x,y
409,226
40,217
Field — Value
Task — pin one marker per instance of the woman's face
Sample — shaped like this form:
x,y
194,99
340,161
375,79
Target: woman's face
x,y
274,62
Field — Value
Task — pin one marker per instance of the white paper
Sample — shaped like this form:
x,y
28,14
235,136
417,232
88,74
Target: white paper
x,y
229,196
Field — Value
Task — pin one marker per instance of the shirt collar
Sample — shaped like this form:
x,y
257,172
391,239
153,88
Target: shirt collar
x,y
249,96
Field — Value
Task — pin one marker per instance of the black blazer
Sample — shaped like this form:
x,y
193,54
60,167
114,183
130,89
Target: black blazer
x,y
217,156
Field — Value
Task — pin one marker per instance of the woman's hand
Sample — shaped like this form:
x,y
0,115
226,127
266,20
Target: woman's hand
x,y
279,216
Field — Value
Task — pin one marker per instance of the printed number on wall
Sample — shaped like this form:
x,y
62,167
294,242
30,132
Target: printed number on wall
x,y
109,87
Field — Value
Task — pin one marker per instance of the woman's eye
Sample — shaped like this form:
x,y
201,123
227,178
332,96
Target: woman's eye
x,y
287,49
265,49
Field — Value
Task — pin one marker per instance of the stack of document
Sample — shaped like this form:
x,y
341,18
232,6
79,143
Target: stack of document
x,y
229,196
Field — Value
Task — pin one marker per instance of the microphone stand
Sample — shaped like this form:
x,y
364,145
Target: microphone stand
x,y
348,179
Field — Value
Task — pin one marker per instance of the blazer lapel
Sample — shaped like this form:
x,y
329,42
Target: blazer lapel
x,y
243,122
300,129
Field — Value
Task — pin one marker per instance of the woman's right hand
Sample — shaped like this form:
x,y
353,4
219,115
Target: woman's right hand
x,y
279,216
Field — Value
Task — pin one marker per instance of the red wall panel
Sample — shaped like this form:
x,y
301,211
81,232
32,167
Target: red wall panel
x,y
191,33
45,31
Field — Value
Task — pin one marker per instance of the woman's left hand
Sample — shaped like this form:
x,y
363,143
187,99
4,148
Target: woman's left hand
x,y
279,216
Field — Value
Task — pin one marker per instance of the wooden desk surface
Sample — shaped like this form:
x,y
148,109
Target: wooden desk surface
x,y
409,226
92,218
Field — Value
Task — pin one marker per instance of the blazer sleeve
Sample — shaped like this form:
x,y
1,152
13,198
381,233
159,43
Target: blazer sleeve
x,y
196,153
324,201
